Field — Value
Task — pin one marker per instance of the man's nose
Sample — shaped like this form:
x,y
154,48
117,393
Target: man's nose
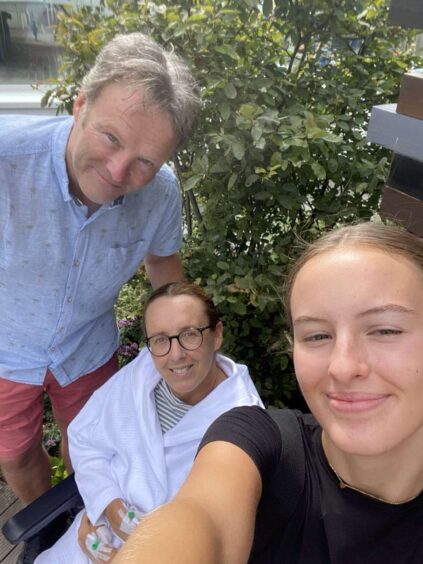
x,y
118,168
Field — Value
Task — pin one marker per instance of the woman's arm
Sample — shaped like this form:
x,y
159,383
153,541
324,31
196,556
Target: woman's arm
x,y
211,520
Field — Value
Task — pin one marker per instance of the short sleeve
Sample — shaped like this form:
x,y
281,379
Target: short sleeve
x,y
167,239
254,431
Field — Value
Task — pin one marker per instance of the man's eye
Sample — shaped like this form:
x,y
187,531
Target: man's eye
x,y
111,138
145,163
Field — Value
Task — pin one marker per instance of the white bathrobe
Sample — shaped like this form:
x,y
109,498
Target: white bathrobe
x,y
119,451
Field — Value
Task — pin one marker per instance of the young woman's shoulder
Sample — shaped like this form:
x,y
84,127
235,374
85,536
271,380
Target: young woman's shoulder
x,y
260,433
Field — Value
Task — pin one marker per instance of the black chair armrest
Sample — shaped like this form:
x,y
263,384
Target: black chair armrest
x,y
34,517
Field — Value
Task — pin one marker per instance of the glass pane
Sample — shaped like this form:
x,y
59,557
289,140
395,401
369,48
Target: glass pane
x,y
28,52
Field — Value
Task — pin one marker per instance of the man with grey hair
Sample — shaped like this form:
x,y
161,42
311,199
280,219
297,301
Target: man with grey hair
x,y
84,200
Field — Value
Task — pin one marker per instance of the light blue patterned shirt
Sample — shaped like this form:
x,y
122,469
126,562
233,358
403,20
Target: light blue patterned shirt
x,y
61,272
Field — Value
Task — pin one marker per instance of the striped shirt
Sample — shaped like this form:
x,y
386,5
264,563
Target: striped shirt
x,y
170,409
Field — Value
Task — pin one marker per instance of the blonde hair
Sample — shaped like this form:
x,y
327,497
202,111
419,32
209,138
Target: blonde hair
x,y
389,238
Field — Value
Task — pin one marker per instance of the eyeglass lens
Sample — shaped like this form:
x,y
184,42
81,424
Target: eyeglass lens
x,y
190,340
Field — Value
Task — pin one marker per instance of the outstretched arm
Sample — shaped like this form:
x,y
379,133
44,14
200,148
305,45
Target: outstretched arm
x,y
211,520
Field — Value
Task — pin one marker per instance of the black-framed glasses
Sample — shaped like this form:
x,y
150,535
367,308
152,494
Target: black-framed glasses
x,y
189,339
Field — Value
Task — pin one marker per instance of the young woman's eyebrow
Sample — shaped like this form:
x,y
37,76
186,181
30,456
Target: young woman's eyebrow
x,y
387,308
307,319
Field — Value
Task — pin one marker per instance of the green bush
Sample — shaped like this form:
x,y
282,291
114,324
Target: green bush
x,y
280,150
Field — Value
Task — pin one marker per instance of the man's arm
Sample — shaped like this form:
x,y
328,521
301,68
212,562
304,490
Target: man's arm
x,y
161,270
211,520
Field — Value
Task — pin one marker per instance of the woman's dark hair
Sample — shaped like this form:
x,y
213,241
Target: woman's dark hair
x,y
184,289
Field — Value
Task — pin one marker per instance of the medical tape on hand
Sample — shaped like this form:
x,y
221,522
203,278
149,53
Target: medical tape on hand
x,y
98,544
130,518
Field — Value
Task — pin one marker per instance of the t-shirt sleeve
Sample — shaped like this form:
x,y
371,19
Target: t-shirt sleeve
x,y
254,431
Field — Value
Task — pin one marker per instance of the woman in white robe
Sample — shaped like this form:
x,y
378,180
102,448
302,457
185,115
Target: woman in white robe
x,y
129,450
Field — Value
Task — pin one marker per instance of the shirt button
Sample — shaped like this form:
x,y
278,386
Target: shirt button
x,y
52,349
76,263
69,300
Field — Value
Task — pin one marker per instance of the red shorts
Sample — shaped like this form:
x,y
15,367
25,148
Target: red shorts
x,y
22,406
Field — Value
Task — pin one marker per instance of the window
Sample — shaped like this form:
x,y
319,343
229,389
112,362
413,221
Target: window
x,y
28,52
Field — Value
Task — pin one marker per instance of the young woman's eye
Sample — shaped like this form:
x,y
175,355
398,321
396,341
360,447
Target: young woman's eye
x,y
316,338
387,331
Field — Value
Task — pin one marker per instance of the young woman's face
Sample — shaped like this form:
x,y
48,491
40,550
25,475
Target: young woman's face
x,y
358,348
190,374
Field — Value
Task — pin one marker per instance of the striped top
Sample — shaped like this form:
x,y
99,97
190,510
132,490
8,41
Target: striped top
x,y
170,409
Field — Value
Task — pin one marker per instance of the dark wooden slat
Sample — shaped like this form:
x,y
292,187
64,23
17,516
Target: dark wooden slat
x,y
410,101
7,497
403,208
406,175
12,556
9,505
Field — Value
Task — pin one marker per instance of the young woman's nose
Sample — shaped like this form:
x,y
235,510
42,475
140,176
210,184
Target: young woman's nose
x,y
348,360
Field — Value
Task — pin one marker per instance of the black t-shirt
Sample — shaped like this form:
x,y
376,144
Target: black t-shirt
x,y
329,525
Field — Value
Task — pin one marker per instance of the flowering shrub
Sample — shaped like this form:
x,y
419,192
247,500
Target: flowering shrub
x,y
51,433
130,337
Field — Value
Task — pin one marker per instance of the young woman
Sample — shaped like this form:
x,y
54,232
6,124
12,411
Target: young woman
x,y
135,440
344,486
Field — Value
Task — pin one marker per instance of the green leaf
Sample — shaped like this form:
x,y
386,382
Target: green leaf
x,y
232,179
251,180
230,91
249,111
191,182
238,308
238,150
256,131
227,50
225,110
220,167
263,195
319,171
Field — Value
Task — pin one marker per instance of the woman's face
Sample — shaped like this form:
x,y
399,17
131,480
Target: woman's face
x,y
190,374
358,348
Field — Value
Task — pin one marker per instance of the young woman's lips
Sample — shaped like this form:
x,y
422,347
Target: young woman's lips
x,y
355,402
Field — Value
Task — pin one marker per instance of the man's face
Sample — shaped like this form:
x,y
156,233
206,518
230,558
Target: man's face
x,y
117,144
